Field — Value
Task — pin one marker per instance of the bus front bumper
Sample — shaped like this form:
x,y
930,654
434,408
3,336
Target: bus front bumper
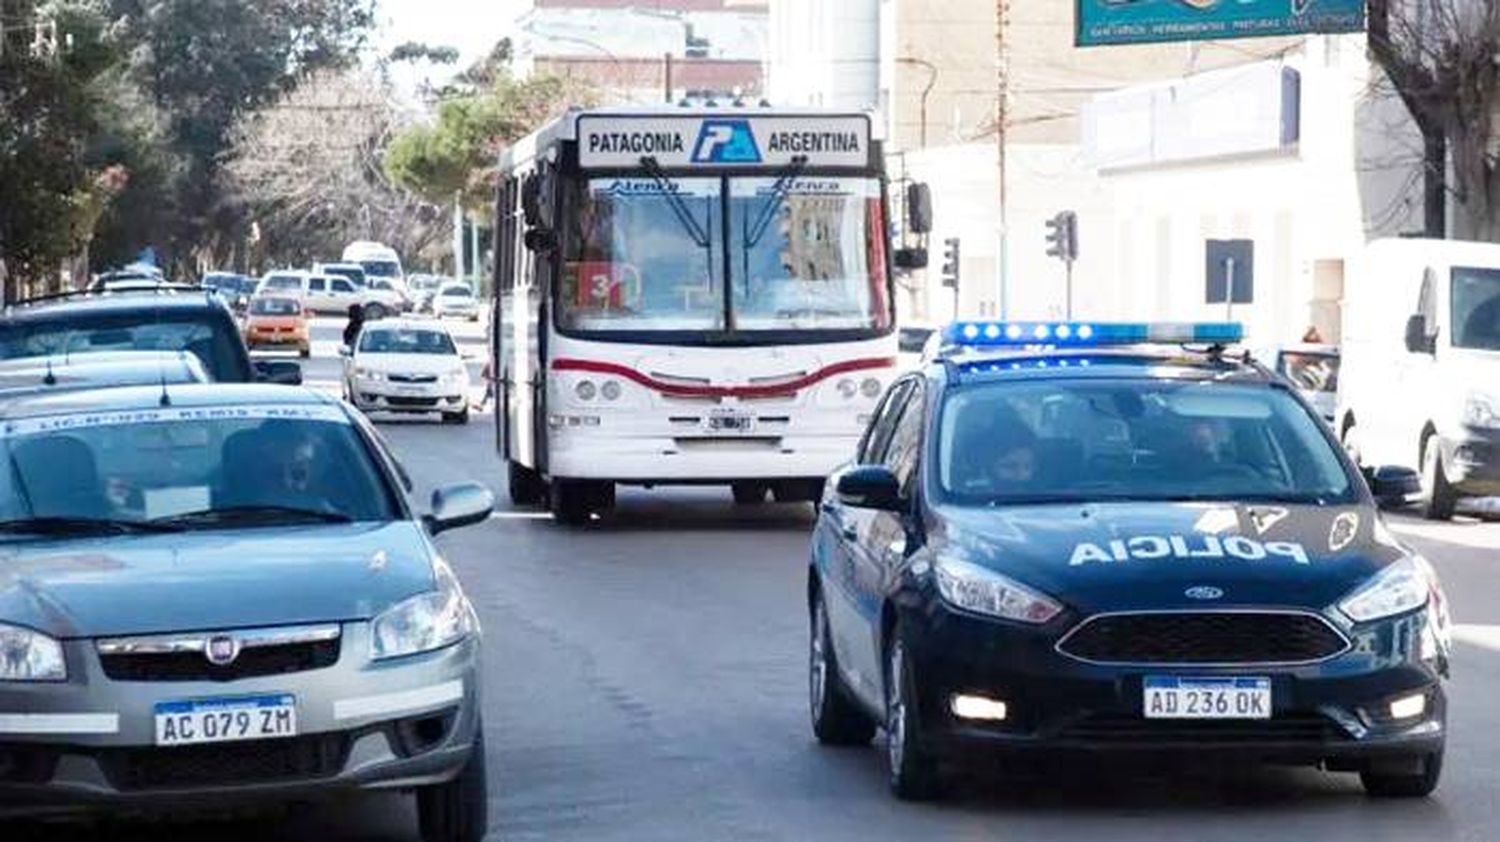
x,y
584,453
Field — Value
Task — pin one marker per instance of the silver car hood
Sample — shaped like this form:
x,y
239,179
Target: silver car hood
x,y
190,581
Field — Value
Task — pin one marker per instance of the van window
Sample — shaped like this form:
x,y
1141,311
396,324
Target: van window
x,y
316,284
340,285
1475,299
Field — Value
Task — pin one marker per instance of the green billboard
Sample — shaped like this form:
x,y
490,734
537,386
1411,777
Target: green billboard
x,y
1103,22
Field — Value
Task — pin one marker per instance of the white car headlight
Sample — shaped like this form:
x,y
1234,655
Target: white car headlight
x,y
424,622
983,591
458,375
369,374
1481,410
1401,587
26,655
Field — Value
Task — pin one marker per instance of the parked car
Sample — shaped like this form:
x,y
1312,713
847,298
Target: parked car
x,y
353,271
283,281
407,366
277,322
234,288
229,596
99,369
456,300
1420,364
169,320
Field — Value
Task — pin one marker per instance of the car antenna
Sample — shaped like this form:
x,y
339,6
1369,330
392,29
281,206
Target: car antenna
x,y
50,379
166,398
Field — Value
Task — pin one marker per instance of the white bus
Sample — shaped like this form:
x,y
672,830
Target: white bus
x,y
691,296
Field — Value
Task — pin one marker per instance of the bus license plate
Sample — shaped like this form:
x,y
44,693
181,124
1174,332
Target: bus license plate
x,y
225,720
730,422
1207,698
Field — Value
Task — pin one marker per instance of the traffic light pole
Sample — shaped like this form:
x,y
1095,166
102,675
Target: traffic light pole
x,y
1069,306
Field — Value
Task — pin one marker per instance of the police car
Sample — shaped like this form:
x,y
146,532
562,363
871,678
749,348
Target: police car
x,y
1119,537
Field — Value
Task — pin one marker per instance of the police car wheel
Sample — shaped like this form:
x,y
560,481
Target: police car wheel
x,y
836,719
525,485
749,493
1439,500
914,772
1420,783
457,811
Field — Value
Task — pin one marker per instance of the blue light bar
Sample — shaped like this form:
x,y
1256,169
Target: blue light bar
x,y
1089,334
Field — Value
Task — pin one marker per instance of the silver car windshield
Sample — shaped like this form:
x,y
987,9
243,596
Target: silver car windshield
x,y
194,467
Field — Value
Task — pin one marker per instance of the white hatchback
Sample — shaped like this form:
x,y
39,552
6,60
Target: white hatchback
x,y
401,365
456,300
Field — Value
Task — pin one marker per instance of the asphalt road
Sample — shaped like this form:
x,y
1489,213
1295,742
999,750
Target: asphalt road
x,y
646,681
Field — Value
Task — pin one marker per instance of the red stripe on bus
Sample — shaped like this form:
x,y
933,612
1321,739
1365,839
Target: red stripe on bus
x,y
686,391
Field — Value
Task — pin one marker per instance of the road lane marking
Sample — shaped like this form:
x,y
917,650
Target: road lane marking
x,y
1476,634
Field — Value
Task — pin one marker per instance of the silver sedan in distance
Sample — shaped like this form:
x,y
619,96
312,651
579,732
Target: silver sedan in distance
x,y
220,593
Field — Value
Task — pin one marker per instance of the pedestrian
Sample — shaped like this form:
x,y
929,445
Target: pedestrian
x,y
356,323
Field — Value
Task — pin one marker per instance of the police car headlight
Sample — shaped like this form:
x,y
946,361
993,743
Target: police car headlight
x,y
1401,587
425,622
1481,410
26,655
974,588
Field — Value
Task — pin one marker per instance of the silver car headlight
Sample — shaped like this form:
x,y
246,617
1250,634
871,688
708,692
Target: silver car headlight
x,y
26,655
424,622
1399,588
983,591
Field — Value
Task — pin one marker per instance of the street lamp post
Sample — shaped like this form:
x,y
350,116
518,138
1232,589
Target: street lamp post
x,y
932,74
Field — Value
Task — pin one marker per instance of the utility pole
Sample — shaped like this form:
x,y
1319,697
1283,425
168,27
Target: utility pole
x,y
1002,117
666,63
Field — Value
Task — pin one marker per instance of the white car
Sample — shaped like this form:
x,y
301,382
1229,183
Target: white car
x,y
456,300
401,365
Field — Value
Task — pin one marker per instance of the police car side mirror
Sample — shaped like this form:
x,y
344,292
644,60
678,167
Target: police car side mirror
x,y
1393,484
869,487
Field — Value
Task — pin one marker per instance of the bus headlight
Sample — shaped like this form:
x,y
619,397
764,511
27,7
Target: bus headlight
x,y
870,388
586,390
610,390
847,388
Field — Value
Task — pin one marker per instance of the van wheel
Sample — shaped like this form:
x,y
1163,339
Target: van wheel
x,y
1439,499
526,486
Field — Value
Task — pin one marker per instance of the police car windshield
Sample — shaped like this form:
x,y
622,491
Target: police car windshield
x,y
265,464
1099,440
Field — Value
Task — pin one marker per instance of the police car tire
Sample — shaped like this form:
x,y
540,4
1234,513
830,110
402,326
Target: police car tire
x,y
915,775
836,719
749,493
1405,785
1439,500
525,485
457,811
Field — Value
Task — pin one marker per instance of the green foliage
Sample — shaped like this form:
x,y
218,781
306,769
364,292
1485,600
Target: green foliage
x,y
413,51
458,153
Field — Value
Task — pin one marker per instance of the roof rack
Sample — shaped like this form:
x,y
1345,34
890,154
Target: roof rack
x,y
159,289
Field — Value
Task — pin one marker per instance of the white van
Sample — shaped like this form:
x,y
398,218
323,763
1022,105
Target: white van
x,y
379,261
1419,383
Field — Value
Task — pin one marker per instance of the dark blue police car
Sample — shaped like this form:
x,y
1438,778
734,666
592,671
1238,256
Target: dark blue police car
x,y
1119,538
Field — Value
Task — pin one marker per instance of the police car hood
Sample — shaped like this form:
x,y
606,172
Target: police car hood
x,y
211,580
1132,556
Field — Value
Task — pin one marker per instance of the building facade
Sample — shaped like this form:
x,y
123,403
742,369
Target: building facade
x,y
645,51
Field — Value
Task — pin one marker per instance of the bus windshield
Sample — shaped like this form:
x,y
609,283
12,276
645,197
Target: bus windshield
x,y
647,255
807,254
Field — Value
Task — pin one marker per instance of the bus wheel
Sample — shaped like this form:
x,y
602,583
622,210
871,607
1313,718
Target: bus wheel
x,y
526,486
749,493
572,501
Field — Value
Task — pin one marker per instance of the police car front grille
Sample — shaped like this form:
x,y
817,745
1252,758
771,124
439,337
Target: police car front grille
x,y
1204,638
194,666
226,764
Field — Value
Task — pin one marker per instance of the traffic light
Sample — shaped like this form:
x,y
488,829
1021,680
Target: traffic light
x,y
950,262
1062,236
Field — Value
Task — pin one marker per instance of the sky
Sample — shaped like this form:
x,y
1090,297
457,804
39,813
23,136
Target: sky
x,y
473,26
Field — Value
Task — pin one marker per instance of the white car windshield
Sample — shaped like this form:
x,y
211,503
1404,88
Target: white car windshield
x,y
405,341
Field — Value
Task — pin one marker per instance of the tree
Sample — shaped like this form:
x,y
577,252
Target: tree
x,y
308,170
203,64
1443,59
458,153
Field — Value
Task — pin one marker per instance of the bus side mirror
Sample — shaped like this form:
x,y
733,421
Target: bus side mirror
x,y
910,258
1417,339
919,208
541,240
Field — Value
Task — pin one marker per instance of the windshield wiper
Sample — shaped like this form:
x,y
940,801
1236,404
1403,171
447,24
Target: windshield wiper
x,y
85,526
679,208
779,192
255,515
